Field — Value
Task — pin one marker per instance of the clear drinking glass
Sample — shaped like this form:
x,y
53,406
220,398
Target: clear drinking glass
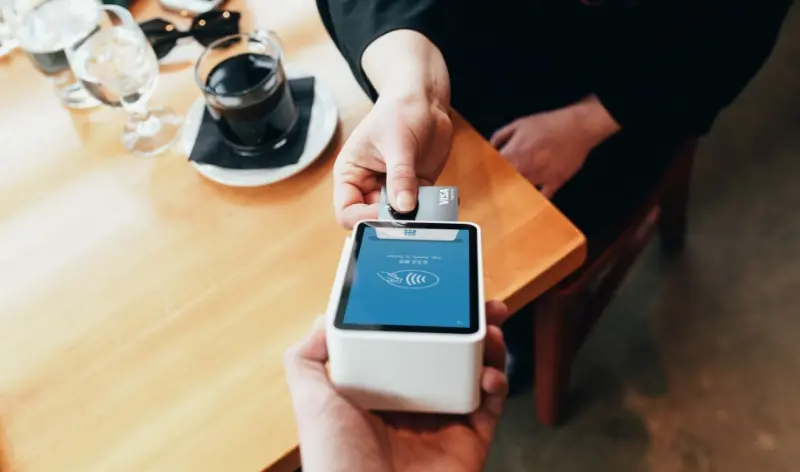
x,y
8,27
118,66
45,29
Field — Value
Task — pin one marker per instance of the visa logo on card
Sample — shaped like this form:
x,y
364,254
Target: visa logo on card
x,y
446,195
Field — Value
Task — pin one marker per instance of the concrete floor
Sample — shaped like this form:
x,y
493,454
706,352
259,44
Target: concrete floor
x,y
696,365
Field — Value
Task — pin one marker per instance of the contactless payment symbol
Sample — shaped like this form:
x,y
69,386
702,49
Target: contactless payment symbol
x,y
415,279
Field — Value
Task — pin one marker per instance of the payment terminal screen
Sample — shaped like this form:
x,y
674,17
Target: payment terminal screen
x,y
411,277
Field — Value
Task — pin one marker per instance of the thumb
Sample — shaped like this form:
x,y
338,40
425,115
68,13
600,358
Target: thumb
x,y
501,136
401,178
494,390
308,355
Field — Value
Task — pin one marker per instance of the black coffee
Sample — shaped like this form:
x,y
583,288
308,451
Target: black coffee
x,y
253,105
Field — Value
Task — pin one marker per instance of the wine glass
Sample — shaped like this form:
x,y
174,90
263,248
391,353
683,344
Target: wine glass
x,y
117,65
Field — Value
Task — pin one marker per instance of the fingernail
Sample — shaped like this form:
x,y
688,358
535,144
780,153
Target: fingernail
x,y
405,201
319,323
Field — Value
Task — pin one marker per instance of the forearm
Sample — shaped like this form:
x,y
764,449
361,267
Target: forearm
x,y
406,63
592,118
335,442
335,453
392,46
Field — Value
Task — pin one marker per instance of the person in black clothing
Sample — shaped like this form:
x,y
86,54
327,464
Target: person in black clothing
x,y
588,99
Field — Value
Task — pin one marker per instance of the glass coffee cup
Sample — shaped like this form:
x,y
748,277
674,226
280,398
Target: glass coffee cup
x,y
246,91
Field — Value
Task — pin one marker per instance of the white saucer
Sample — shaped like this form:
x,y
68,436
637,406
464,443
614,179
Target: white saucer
x,y
321,128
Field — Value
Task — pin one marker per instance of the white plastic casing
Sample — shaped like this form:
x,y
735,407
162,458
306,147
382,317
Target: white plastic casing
x,y
406,371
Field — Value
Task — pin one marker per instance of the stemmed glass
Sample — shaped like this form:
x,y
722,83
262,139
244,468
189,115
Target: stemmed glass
x,y
117,65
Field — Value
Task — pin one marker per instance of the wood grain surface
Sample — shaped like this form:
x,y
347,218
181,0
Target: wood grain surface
x,y
144,310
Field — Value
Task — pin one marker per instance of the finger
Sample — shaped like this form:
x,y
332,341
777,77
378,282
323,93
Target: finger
x,y
496,312
501,136
349,216
311,348
494,352
319,324
372,197
512,148
305,361
351,185
401,176
345,195
350,202
306,375
494,386
347,180
548,191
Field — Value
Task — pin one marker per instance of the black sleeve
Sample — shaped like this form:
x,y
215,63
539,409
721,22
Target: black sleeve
x,y
683,90
355,24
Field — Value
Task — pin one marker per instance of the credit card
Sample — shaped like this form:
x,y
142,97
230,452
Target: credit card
x,y
434,203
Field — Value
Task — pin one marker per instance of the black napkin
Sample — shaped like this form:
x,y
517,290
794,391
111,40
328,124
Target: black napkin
x,y
211,148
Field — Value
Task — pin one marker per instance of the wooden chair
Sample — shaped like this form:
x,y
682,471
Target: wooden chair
x,y
565,314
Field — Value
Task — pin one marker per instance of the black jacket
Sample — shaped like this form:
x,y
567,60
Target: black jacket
x,y
664,65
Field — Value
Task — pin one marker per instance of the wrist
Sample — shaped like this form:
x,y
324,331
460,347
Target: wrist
x,y
406,65
593,118
414,101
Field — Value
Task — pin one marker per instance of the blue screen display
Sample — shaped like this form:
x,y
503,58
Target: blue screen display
x,y
411,278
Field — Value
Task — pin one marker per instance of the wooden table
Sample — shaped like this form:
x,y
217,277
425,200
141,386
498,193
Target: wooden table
x,y
144,310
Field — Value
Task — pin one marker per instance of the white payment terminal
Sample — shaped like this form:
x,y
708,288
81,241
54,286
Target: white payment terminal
x,y
406,322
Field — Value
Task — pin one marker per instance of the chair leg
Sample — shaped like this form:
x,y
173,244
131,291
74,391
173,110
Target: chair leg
x,y
675,205
553,357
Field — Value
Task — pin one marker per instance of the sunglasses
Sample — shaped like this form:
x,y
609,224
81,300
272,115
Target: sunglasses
x,y
206,28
